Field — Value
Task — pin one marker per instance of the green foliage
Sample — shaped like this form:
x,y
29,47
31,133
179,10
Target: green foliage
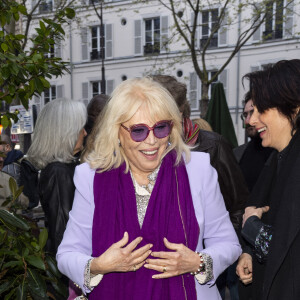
x,y
26,70
26,270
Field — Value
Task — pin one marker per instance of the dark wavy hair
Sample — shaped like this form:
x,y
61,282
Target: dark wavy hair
x,y
278,87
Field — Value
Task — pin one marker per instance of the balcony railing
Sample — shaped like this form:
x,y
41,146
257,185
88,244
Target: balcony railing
x,y
272,34
152,49
96,55
213,42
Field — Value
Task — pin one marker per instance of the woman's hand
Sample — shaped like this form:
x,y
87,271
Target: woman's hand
x,y
244,268
181,261
253,211
121,258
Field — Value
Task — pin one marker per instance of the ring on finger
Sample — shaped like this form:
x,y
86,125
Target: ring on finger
x,y
134,268
164,269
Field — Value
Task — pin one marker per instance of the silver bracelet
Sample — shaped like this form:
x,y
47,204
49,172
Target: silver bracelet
x,y
201,266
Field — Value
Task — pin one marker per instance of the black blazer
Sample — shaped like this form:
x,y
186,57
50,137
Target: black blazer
x,y
57,190
230,176
282,270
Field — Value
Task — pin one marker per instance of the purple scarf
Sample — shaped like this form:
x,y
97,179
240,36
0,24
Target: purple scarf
x,y
170,214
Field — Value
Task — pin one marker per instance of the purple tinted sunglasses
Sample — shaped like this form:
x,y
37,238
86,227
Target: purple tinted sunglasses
x,y
139,132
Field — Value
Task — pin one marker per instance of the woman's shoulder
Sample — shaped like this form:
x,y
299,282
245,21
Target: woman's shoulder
x,y
199,159
84,171
199,168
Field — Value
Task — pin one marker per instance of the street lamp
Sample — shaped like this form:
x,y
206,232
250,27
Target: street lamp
x,y
102,50
102,53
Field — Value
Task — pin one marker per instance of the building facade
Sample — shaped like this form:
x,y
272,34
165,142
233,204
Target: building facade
x,y
137,42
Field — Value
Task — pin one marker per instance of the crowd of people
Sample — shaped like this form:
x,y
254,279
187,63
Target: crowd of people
x,y
141,202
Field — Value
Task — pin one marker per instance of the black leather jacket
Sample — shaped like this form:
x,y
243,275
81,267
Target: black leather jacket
x,y
231,179
57,189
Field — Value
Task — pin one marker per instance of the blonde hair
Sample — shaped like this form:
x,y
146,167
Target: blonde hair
x,y
103,150
203,124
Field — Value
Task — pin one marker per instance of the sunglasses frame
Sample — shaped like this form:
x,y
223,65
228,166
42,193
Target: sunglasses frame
x,y
149,128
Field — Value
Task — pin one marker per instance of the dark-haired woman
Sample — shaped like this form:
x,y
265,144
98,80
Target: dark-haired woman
x,y
272,218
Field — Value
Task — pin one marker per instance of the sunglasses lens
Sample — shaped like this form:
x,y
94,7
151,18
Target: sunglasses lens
x,y
162,130
139,133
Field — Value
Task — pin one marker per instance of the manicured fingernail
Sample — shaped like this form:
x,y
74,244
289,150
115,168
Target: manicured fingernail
x,y
150,246
149,252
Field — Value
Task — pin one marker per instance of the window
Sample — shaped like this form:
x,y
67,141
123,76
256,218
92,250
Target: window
x,y
209,21
96,88
152,36
274,20
93,88
50,94
51,53
45,6
96,43
54,92
91,42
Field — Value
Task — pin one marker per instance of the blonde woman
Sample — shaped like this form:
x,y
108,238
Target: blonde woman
x,y
144,205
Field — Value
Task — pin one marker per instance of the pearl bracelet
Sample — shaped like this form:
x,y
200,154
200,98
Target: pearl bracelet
x,y
201,266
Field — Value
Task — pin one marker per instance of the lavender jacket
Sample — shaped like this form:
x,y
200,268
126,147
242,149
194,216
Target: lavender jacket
x,y
216,230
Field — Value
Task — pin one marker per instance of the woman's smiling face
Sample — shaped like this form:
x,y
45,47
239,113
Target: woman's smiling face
x,y
144,157
273,127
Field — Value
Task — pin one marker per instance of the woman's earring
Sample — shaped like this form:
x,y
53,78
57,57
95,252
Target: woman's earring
x,y
119,143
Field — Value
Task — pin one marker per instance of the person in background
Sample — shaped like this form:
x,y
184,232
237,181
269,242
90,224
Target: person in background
x,y
94,109
204,125
271,223
11,155
56,146
251,157
145,207
58,137
232,185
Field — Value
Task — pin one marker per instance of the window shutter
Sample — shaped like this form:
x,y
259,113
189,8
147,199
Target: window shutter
x,y
85,90
57,48
138,37
60,91
289,14
109,86
108,41
196,31
257,33
164,33
222,32
84,44
223,79
193,93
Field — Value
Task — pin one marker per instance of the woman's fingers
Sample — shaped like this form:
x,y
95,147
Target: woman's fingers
x,y
141,256
135,267
121,243
265,209
131,246
171,246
